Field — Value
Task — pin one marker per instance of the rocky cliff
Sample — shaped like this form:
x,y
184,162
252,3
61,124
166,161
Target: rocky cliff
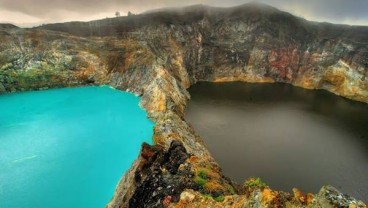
x,y
158,55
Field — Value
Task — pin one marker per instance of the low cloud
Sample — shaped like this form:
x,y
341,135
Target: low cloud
x,y
28,12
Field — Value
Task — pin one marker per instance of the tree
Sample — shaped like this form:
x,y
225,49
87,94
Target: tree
x,y
117,14
130,13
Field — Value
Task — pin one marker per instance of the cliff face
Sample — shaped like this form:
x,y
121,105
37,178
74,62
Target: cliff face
x,y
158,55
252,43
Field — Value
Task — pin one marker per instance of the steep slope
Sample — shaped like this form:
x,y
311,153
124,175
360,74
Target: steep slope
x,y
252,42
159,54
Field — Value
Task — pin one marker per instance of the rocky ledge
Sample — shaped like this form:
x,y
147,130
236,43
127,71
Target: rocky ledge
x,y
173,178
158,55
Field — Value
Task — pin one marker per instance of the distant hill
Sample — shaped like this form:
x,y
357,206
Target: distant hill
x,y
7,26
252,12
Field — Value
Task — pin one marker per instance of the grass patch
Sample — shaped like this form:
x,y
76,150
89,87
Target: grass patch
x,y
202,174
255,182
207,196
231,190
200,181
220,198
201,178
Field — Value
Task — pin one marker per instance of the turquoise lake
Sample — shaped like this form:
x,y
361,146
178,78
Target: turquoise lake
x,y
68,147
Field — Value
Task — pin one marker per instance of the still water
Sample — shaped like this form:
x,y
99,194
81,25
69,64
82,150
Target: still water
x,y
288,136
67,147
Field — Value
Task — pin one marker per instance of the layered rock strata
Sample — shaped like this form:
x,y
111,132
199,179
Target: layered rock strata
x,y
158,55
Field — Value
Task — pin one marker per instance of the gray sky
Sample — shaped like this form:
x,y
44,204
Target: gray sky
x,y
35,12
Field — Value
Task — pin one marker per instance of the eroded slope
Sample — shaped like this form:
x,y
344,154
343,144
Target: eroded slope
x,y
159,55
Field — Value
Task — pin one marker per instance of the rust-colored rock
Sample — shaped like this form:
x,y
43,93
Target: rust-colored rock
x,y
158,55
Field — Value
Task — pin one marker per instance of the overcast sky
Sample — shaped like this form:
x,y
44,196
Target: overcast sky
x,y
35,12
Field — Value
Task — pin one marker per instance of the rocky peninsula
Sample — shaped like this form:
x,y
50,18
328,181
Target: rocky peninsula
x,y
159,54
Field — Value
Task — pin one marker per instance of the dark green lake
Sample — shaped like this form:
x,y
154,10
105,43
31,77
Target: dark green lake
x,y
288,136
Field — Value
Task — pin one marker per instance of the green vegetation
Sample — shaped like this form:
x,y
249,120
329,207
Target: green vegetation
x,y
231,190
202,174
207,196
255,182
201,178
200,181
220,198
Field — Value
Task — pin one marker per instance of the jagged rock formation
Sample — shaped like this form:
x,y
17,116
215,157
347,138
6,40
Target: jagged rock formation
x,y
159,54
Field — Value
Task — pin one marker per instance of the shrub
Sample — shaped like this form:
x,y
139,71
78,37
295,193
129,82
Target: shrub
x,y
220,198
200,181
231,190
255,182
202,174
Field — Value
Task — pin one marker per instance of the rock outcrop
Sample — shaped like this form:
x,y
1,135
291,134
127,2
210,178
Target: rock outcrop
x,y
168,178
158,55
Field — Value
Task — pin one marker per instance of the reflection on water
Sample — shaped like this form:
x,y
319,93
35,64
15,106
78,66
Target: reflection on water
x,y
288,136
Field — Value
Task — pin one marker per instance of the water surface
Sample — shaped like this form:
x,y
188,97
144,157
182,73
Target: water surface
x,y
67,147
288,136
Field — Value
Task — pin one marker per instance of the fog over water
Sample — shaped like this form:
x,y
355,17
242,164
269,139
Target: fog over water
x,y
288,136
